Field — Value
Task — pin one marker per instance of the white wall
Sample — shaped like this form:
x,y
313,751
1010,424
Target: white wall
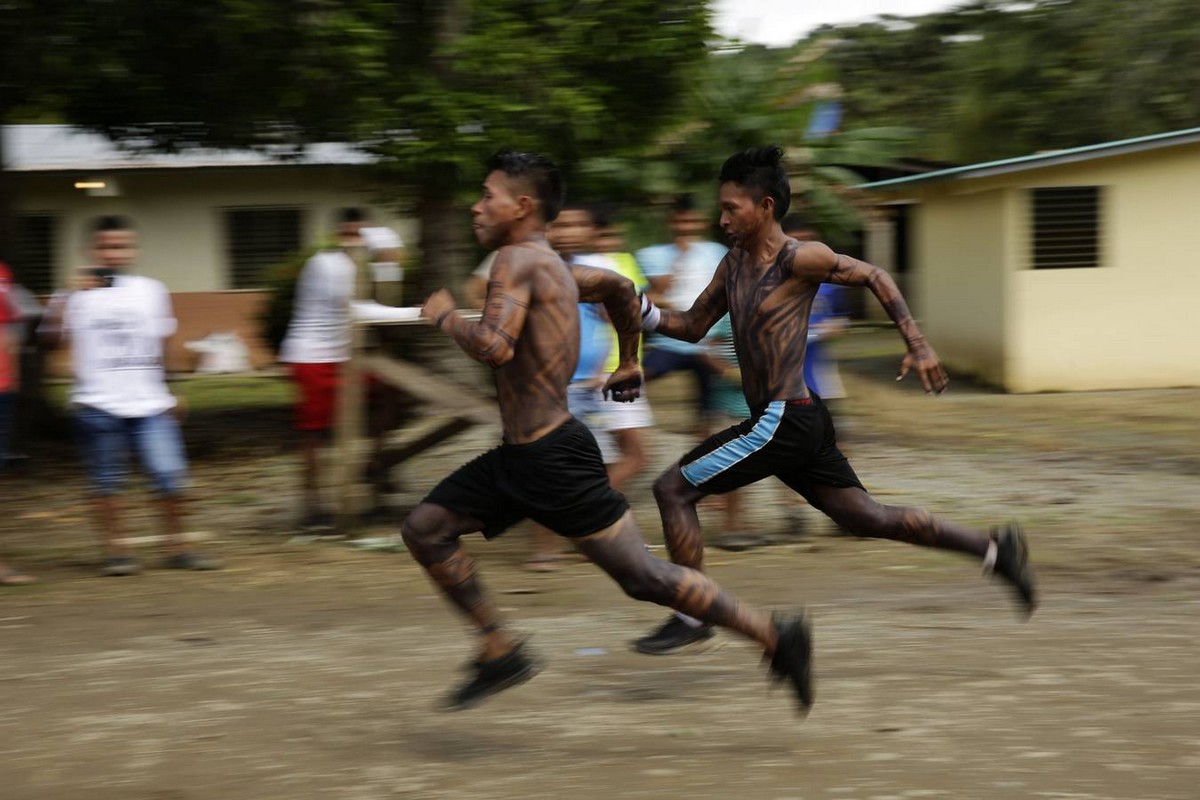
x,y
179,213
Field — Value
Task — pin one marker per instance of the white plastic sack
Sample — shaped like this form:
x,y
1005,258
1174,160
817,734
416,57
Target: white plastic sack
x,y
221,353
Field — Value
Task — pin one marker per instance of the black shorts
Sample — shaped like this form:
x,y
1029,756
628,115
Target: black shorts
x,y
790,439
558,481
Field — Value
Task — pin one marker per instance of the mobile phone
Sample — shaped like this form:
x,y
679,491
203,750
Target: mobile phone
x,y
104,275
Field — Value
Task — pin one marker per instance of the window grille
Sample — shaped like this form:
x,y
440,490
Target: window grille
x,y
258,239
1066,227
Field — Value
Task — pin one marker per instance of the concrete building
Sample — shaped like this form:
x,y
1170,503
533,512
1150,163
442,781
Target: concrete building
x,y
1069,270
210,222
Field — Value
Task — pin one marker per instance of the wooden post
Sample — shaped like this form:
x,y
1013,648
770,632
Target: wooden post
x,y
350,426
457,408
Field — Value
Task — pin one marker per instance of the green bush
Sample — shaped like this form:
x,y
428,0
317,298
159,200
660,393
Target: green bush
x,y
281,283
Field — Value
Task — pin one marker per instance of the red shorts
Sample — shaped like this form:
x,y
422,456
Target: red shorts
x,y
318,385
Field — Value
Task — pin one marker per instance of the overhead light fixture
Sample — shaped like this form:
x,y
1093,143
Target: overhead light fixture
x,y
99,187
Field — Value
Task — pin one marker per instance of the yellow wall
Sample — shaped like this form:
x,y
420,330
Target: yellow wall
x,y
958,261
1134,322
179,213
1131,323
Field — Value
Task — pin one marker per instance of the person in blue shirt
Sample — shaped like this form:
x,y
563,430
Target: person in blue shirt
x,y
827,321
678,272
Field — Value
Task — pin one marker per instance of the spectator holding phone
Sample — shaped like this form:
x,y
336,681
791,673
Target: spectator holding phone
x,y
116,323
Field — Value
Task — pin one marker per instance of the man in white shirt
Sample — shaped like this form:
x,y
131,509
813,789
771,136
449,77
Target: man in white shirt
x,y
318,343
116,323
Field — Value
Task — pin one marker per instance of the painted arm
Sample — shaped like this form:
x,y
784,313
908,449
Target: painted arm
x,y
691,325
815,262
620,300
493,339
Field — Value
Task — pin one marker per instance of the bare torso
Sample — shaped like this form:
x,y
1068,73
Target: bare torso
x,y
769,307
532,386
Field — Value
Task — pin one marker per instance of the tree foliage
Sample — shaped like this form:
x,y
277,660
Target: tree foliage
x,y
992,79
431,86
629,95
749,96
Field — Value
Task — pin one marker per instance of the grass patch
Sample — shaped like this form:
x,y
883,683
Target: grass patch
x,y
203,393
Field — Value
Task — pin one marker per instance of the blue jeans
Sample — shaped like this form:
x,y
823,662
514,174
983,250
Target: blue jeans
x,y
106,439
8,405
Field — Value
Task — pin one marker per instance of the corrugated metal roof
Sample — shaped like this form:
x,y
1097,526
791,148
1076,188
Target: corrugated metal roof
x,y
49,148
1042,160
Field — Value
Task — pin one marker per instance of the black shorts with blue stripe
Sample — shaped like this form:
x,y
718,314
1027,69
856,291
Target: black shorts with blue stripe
x,y
792,440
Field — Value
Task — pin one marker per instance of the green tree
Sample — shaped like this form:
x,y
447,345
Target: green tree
x,y
745,96
431,87
172,75
577,79
992,79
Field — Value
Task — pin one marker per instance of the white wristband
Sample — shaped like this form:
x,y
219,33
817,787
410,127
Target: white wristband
x,y
651,316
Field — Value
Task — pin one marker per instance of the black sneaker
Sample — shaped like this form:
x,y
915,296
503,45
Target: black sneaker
x,y
191,561
117,566
1012,564
670,636
738,541
491,677
793,658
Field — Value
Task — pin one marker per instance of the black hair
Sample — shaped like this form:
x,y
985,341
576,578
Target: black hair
x,y
584,207
111,222
758,170
348,215
543,176
799,222
598,212
682,203
602,215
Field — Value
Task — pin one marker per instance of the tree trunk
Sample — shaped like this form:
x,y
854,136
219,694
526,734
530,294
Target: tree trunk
x,y
445,248
445,253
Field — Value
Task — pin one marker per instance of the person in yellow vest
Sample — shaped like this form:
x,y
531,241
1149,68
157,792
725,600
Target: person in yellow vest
x,y
625,421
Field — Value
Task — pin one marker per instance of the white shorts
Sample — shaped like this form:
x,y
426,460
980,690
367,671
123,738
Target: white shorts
x,y
587,406
623,416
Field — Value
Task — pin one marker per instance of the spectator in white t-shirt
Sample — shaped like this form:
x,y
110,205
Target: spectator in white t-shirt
x,y
318,343
116,323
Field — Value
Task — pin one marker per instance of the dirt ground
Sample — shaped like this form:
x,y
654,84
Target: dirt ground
x,y
311,669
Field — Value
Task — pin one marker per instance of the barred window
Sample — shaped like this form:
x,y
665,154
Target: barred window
x,y
1066,227
34,254
258,239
